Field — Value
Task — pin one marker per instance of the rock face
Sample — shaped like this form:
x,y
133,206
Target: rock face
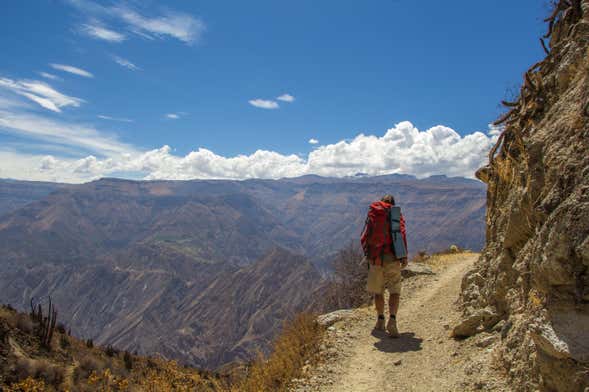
x,y
533,276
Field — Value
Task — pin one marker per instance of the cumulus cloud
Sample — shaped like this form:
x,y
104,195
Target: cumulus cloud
x,y
97,31
168,24
72,70
403,149
264,104
286,98
313,141
41,93
125,63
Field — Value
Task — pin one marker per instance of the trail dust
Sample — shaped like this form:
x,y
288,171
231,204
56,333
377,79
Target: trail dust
x,y
424,358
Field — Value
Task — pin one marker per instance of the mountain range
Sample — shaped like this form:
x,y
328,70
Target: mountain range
x,y
204,271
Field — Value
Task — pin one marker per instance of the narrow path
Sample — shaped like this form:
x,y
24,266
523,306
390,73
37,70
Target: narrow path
x,y
424,358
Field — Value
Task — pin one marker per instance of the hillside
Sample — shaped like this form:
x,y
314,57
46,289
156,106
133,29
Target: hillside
x,y
533,277
164,265
71,364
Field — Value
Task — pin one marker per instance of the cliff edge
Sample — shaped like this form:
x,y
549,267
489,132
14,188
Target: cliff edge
x,y
533,276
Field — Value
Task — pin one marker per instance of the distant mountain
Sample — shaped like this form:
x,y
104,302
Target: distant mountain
x,y
204,271
15,194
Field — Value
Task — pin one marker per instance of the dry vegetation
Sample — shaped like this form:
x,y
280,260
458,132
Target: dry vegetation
x,y
347,285
70,364
64,363
297,345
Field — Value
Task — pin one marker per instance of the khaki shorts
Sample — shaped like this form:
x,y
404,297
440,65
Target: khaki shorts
x,y
386,277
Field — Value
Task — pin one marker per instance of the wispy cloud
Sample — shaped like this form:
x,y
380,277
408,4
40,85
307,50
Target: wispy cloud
x,y
97,31
286,98
264,104
61,132
313,141
125,63
173,116
47,75
169,24
41,93
109,118
183,27
72,70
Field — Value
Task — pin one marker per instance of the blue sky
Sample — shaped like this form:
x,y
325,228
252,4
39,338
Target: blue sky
x,y
189,89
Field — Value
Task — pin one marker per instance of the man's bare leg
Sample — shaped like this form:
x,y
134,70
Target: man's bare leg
x,y
379,305
393,308
394,304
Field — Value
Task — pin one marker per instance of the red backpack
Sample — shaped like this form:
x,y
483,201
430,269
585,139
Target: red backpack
x,y
376,236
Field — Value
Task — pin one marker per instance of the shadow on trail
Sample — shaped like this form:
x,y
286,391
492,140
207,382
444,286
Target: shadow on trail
x,y
404,343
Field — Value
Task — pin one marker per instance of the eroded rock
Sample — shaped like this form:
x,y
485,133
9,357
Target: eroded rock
x,y
533,275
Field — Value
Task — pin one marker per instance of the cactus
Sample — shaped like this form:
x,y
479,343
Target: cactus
x,y
45,324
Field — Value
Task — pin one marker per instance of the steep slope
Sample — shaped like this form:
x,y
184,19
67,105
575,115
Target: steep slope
x,y
534,273
124,259
69,364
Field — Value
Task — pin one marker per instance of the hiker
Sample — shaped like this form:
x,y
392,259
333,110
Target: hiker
x,y
385,248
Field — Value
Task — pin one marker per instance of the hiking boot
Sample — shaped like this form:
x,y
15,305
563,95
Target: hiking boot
x,y
392,328
379,325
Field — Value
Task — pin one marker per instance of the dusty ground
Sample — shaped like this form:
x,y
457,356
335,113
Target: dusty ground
x,y
424,358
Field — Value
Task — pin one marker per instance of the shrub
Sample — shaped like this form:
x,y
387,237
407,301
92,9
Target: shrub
x,y
24,323
110,351
128,359
347,286
297,343
87,365
64,342
39,369
89,343
60,328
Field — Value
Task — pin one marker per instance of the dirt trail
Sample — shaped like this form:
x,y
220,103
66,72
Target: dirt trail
x,y
424,358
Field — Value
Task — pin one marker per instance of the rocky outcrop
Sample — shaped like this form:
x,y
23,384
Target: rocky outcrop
x,y
533,276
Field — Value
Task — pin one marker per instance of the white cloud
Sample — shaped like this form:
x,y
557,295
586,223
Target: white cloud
x,y
181,26
264,104
286,98
402,149
313,141
84,138
173,116
95,30
40,93
72,70
125,63
47,75
103,117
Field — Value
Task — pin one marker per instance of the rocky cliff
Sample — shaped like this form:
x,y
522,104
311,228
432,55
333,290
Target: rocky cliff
x,y
533,277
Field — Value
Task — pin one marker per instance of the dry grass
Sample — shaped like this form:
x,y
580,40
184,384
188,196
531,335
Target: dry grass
x,y
40,369
442,260
297,344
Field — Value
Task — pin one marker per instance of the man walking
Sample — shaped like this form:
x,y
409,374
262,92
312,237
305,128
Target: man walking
x,y
386,257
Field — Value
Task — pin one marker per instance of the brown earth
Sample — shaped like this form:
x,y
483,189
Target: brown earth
x,y
424,358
